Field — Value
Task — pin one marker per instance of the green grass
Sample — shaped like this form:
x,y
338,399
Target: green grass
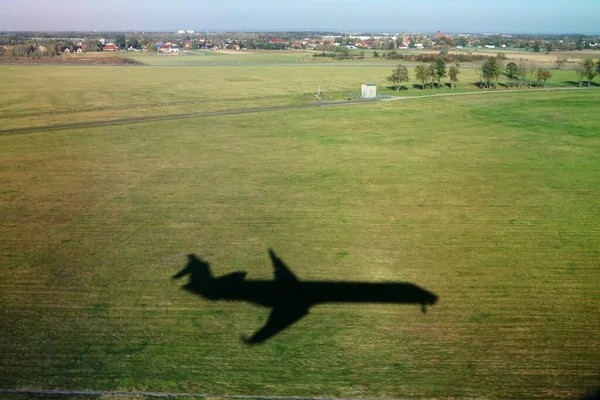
x,y
491,202
51,95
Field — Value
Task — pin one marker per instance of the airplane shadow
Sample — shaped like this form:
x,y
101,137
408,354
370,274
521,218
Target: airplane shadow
x,y
290,298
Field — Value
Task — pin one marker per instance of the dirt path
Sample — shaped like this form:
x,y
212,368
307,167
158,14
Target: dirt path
x,y
267,109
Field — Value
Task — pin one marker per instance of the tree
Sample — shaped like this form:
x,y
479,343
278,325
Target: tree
x,y
512,71
560,62
531,69
490,70
95,45
399,75
440,70
543,75
580,72
133,42
431,74
150,46
375,54
453,72
421,74
120,41
521,72
589,66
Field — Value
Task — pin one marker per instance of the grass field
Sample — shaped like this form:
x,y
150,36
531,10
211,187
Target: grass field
x,y
490,202
54,95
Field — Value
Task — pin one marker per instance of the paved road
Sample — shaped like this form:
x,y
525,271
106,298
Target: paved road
x,y
267,109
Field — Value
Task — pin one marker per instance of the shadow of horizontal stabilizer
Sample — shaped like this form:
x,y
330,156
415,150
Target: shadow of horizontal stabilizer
x,y
289,298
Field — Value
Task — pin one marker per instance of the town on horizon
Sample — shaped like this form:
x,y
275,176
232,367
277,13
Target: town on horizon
x,y
55,43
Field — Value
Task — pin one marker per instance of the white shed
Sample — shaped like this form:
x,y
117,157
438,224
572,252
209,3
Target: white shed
x,y
369,91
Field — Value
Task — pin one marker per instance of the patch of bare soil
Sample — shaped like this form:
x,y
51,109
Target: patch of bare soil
x,y
235,52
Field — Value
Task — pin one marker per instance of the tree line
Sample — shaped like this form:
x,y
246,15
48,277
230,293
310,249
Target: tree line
x,y
519,74
429,76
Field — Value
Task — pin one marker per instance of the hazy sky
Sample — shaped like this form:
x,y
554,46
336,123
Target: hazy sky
x,y
514,16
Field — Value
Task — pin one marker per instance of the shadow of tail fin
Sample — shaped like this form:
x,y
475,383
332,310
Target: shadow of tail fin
x,y
198,269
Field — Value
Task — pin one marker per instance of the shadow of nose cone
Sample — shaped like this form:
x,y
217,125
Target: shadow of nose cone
x,y
434,299
430,299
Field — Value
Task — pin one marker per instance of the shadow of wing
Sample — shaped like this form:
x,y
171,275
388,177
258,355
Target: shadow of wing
x,y
279,319
283,273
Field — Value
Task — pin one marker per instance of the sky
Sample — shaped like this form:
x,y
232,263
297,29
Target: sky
x,y
452,16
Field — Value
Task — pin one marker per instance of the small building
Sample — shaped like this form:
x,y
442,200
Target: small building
x,y
369,91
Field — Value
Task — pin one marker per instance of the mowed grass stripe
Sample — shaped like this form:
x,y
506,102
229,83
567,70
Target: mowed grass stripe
x,y
443,193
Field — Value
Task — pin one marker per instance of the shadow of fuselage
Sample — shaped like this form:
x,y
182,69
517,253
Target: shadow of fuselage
x,y
290,298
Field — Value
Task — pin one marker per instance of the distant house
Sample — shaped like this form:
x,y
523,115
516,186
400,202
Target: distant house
x,y
169,49
419,45
276,41
110,47
79,50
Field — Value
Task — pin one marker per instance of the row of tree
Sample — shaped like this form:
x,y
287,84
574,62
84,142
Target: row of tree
x,y
518,73
429,75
